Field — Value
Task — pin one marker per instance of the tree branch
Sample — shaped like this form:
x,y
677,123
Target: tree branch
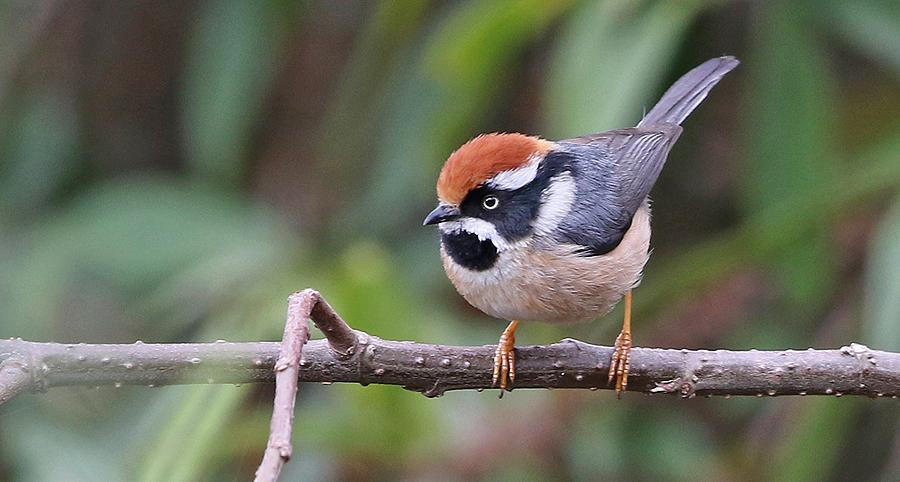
x,y
296,332
14,377
342,340
435,369
356,357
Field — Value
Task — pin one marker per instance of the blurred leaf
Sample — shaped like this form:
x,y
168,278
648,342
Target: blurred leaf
x,y
186,252
610,57
477,42
390,28
368,85
770,232
789,149
365,287
45,450
881,328
670,448
519,468
790,114
872,25
386,435
591,454
812,445
81,268
39,153
405,156
188,434
441,99
387,36
232,60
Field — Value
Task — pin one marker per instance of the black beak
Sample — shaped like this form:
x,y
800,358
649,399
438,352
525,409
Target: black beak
x,y
442,213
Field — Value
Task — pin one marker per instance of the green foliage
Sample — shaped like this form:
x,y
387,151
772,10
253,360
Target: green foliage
x,y
790,148
180,450
610,58
820,424
444,91
39,150
121,242
881,329
871,25
231,65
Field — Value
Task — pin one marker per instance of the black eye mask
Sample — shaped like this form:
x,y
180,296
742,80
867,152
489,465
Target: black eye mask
x,y
517,209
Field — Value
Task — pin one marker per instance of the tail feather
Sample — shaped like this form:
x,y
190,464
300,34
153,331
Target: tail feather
x,y
688,92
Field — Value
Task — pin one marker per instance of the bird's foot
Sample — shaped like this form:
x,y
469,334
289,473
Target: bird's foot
x,y
505,359
621,362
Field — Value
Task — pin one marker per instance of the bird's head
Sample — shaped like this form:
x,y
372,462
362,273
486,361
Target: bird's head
x,y
494,187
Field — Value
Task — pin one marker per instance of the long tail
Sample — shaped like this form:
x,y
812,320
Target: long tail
x,y
688,92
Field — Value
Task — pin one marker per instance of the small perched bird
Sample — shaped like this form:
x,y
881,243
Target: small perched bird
x,y
559,231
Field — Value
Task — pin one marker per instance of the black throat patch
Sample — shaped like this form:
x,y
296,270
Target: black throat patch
x,y
468,251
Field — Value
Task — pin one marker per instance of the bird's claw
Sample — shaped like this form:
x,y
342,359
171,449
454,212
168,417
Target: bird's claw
x,y
621,362
505,362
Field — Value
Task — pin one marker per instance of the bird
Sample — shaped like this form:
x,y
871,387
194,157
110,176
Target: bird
x,y
559,231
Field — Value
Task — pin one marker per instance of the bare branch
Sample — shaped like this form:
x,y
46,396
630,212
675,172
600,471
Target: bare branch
x,y
14,377
340,336
355,357
302,306
435,369
296,332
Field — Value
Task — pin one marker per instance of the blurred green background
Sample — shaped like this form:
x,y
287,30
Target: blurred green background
x,y
171,170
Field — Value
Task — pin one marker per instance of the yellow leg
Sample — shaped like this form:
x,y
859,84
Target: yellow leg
x,y
621,358
505,358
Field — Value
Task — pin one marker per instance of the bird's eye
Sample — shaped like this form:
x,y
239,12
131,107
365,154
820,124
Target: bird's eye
x,y
490,202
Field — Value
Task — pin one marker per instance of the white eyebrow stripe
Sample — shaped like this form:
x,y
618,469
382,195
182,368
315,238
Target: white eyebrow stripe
x,y
515,178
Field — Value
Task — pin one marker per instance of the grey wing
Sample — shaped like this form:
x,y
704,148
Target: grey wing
x,y
617,170
619,167
636,157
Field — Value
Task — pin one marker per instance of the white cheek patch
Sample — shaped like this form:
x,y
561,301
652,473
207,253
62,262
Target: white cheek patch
x,y
556,203
515,178
481,228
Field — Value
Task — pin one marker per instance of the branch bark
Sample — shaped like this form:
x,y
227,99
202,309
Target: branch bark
x,y
356,357
296,331
435,369
14,377
342,340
